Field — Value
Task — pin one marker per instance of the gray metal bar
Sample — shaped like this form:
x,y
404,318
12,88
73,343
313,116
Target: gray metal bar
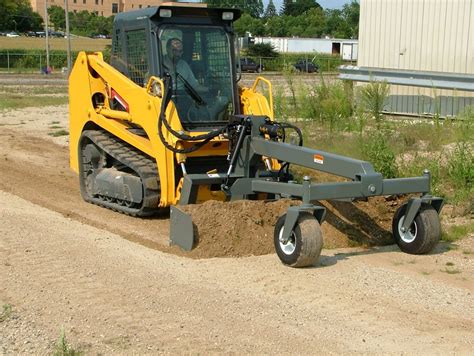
x,y
406,185
437,80
343,190
310,158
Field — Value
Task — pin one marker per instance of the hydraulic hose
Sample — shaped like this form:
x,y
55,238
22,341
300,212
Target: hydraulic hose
x,y
163,121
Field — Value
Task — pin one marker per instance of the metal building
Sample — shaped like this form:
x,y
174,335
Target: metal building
x,y
424,42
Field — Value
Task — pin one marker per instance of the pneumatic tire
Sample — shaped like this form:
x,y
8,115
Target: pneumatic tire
x,y
305,244
423,234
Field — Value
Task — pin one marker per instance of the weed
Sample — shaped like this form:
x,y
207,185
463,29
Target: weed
x,y
373,97
63,348
377,152
426,273
467,252
55,127
455,233
412,261
54,122
461,166
7,311
449,264
58,133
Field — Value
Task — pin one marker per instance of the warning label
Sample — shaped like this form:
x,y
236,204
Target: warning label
x,y
318,159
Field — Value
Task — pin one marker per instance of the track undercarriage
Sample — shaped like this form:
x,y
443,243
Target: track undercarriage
x,y
117,176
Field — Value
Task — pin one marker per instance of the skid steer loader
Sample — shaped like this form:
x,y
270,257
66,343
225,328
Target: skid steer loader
x,y
167,124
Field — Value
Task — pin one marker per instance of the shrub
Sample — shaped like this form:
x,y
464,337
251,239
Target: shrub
x,y
461,166
376,151
262,50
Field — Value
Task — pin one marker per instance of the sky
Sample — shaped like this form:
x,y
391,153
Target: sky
x,y
332,4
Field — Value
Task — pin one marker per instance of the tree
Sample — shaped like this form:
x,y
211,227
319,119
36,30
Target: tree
x,y
247,23
57,17
252,7
298,7
270,11
351,14
18,15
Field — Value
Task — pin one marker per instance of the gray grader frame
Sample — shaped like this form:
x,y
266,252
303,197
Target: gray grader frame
x,y
297,237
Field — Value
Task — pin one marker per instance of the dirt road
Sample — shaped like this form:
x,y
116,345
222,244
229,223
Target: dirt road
x,y
112,284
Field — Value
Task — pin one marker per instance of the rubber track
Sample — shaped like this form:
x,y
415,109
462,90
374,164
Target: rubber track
x,y
141,164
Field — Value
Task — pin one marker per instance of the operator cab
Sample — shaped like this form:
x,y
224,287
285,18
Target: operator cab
x,y
191,45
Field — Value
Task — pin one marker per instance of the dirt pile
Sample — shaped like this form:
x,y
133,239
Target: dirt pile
x,y
245,228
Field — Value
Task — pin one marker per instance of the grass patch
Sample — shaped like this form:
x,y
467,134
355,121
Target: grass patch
x,y
451,270
34,89
55,127
77,43
455,233
449,264
59,133
6,312
13,102
63,348
467,252
54,122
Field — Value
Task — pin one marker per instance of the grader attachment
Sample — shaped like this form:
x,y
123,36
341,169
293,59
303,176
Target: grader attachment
x,y
167,123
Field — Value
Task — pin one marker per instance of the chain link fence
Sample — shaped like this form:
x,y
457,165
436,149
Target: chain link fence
x,y
15,61
32,61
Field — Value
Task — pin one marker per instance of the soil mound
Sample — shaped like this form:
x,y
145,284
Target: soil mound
x,y
246,228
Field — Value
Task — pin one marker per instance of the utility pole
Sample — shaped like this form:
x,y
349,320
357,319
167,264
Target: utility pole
x,y
68,34
46,33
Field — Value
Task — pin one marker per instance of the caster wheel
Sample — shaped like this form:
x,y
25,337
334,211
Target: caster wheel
x,y
305,243
423,234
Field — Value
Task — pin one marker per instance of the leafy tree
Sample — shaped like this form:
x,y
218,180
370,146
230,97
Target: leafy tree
x,y
26,19
298,7
252,7
18,15
270,10
276,27
350,14
57,17
247,23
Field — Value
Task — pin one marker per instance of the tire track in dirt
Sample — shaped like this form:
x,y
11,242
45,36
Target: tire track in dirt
x,y
114,296
38,171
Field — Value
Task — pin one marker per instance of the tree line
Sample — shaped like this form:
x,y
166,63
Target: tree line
x,y
300,18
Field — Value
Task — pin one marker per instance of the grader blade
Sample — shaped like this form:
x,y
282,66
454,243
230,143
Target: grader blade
x,y
181,229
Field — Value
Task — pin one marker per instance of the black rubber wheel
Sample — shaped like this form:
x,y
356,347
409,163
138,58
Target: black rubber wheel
x,y
423,234
305,244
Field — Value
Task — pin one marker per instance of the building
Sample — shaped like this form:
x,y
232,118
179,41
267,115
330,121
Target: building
x,y
427,45
346,48
100,7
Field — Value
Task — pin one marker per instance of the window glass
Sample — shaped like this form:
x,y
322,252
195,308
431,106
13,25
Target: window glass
x,y
137,56
198,61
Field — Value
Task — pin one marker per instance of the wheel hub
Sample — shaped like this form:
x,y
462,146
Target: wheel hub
x,y
289,246
407,235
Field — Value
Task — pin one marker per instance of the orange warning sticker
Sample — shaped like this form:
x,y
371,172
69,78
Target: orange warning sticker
x,y
318,159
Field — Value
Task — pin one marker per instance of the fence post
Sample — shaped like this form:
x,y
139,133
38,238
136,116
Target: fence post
x,y
8,61
40,61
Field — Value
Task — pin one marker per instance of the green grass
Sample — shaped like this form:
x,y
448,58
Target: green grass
x,y
77,43
34,89
15,101
6,312
62,347
455,233
59,133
